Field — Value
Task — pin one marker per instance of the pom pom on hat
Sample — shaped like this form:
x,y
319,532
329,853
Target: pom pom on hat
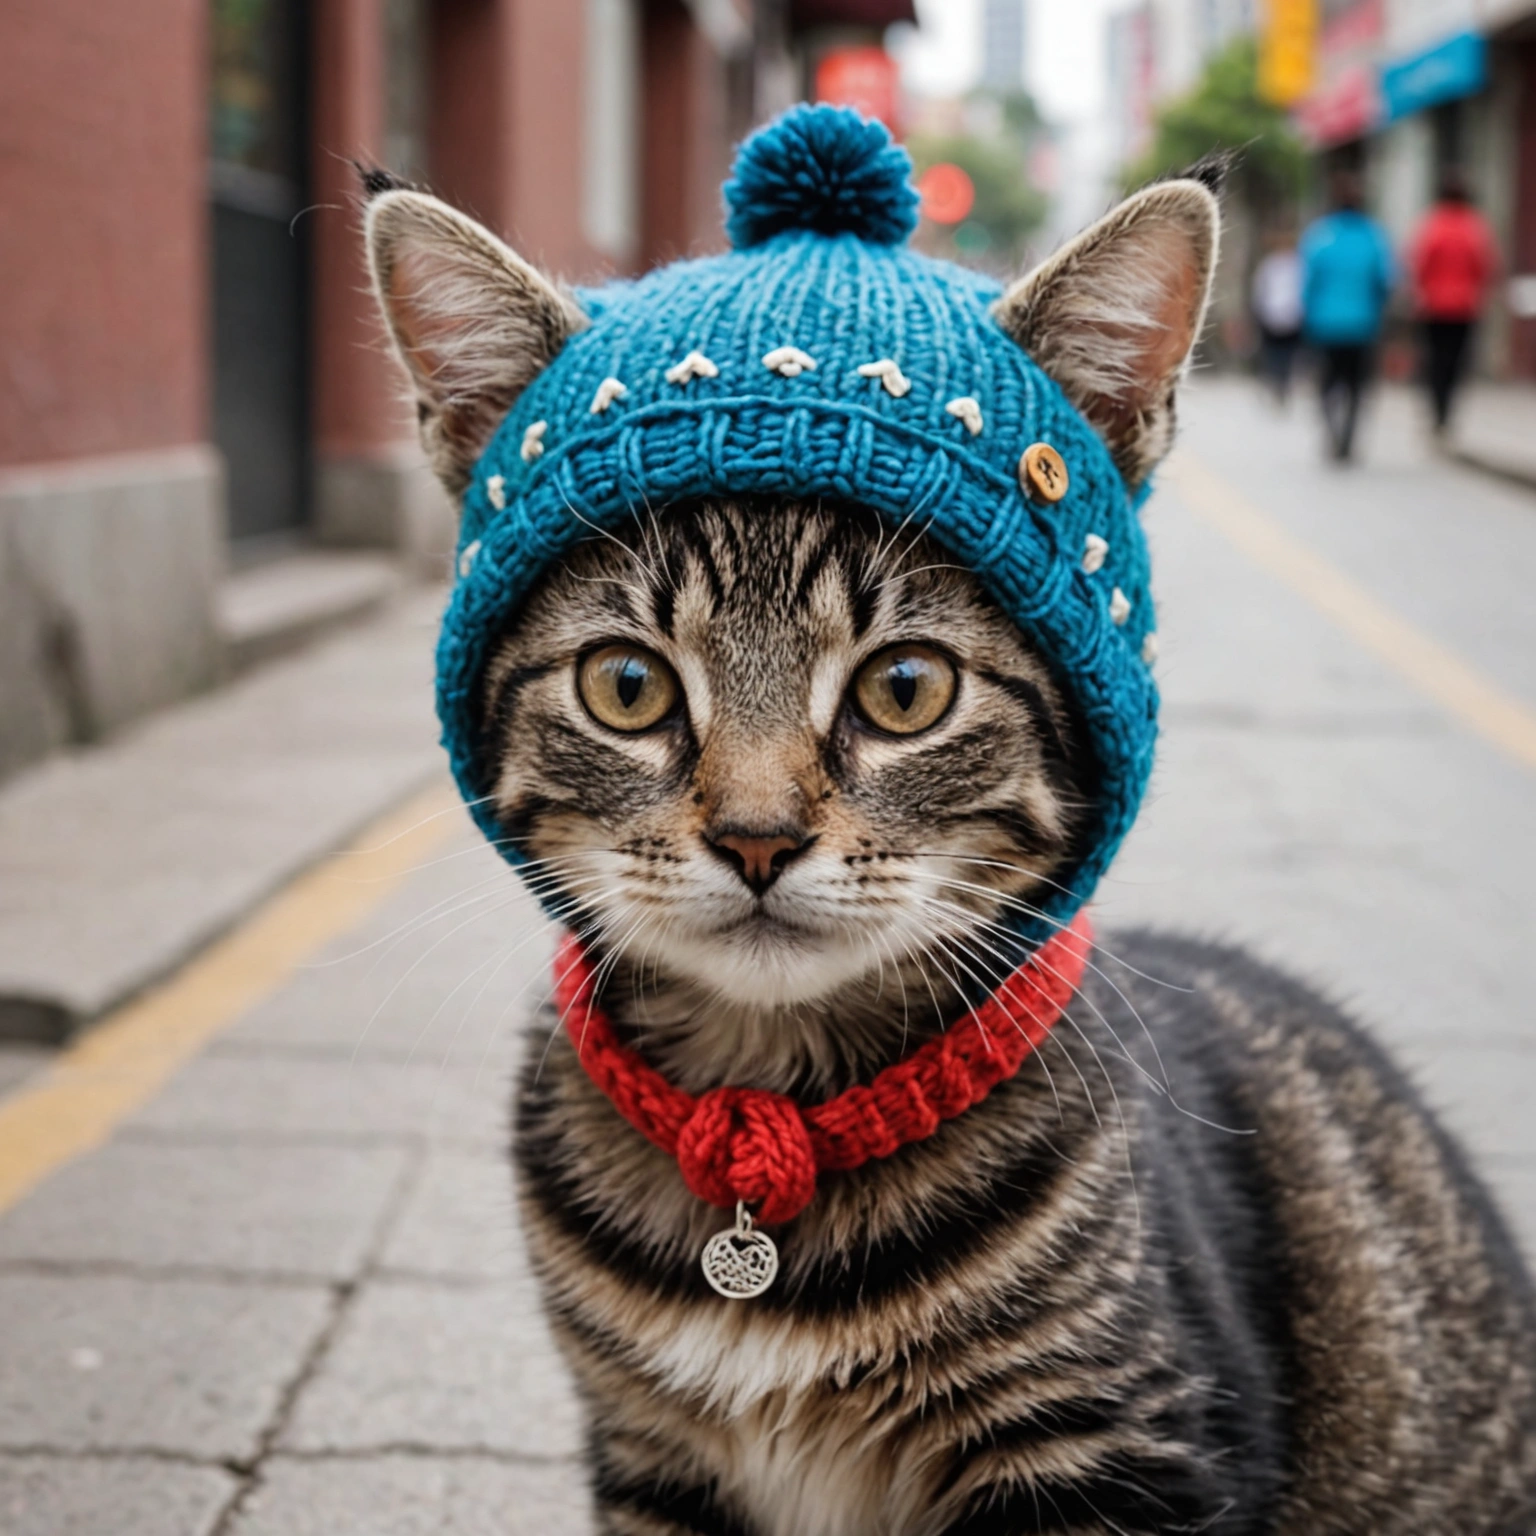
x,y
824,169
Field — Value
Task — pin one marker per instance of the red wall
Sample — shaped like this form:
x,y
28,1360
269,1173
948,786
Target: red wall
x,y
505,138
463,130
103,227
687,138
1522,332
104,245
359,407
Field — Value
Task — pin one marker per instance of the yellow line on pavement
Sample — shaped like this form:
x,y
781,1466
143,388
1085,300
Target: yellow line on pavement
x,y
114,1068
1433,669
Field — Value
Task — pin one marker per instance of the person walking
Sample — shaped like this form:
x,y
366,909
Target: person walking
x,y
1276,300
1451,260
1347,277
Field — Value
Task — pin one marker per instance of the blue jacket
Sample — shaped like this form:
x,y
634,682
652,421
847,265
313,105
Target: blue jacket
x,y
1348,274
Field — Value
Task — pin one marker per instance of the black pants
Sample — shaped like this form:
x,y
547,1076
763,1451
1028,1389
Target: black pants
x,y
1277,358
1445,350
1345,373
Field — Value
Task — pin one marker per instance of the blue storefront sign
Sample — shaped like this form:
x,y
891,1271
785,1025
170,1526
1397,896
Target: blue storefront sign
x,y
1450,70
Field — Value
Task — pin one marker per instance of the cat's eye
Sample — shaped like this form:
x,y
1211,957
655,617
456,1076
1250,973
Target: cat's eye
x,y
626,687
904,689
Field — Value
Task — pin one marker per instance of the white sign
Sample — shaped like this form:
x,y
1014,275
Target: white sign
x,y
1416,24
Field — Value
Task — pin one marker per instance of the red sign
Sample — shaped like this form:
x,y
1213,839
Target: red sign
x,y
1348,107
1346,102
1351,29
862,78
948,194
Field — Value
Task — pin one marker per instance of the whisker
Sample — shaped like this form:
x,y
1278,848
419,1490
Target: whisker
x,y
1164,1085
389,842
961,858
1044,1065
384,1001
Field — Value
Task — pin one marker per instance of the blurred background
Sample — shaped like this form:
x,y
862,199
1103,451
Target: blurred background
x,y
186,331
262,988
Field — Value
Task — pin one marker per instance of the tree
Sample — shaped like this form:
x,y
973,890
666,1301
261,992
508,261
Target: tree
x,y
995,153
1224,111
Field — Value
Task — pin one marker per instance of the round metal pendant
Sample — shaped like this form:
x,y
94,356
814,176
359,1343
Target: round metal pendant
x,y
740,1262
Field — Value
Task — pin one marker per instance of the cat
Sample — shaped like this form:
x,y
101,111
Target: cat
x,y
1204,1263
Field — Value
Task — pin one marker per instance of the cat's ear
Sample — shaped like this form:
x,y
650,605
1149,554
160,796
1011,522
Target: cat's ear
x,y
471,320
1114,314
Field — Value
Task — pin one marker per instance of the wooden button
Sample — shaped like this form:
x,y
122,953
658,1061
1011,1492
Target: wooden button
x,y
1043,472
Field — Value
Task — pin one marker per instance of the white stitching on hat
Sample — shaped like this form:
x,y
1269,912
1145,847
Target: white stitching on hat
x,y
694,366
533,441
968,410
467,557
1149,647
608,391
496,492
1119,606
791,362
895,381
1095,549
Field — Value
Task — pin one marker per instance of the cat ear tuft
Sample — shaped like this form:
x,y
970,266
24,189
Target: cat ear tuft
x,y
375,180
1115,313
1212,171
472,321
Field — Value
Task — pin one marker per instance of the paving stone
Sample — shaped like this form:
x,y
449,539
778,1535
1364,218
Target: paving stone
x,y
116,1496
104,1362
294,1210
447,970
442,1367
233,1096
460,1220
19,1064
416,1496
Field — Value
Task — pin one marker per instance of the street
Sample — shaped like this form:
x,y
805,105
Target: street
x,y
285,1294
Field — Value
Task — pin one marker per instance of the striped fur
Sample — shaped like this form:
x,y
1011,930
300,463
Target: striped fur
x,y
1235,1281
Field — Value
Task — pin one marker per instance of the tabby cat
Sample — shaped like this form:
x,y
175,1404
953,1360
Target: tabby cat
x,y
1204,1264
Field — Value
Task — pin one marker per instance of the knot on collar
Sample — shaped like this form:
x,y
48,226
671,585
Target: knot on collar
x,y
749,1144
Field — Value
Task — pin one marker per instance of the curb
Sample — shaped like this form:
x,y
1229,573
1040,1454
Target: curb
x,y
1499,469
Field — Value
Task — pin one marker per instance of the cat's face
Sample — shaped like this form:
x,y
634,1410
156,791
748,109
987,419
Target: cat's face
x,y
770,748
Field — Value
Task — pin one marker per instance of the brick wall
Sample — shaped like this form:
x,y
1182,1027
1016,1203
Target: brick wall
x,y
103,238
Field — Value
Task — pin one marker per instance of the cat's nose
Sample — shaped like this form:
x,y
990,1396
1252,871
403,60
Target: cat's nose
x,y
758,857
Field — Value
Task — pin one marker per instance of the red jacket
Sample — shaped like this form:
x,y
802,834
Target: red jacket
x,y
1451,261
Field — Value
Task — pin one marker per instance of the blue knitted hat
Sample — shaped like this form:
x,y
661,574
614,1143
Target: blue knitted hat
x,y
821,358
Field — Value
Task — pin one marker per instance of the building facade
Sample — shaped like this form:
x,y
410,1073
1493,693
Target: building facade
x,y
194,375
1004,32
1410,89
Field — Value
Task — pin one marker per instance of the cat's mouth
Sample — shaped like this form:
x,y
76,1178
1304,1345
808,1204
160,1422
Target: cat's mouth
x,y
765,927
767,956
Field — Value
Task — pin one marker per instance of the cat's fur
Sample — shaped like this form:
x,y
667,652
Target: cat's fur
x,y
1204,1264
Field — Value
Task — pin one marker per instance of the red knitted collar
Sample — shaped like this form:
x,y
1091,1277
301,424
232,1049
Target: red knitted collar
x,y
747,1144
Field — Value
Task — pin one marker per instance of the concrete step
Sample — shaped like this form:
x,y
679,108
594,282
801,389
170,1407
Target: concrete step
x,y
273,609
119,862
